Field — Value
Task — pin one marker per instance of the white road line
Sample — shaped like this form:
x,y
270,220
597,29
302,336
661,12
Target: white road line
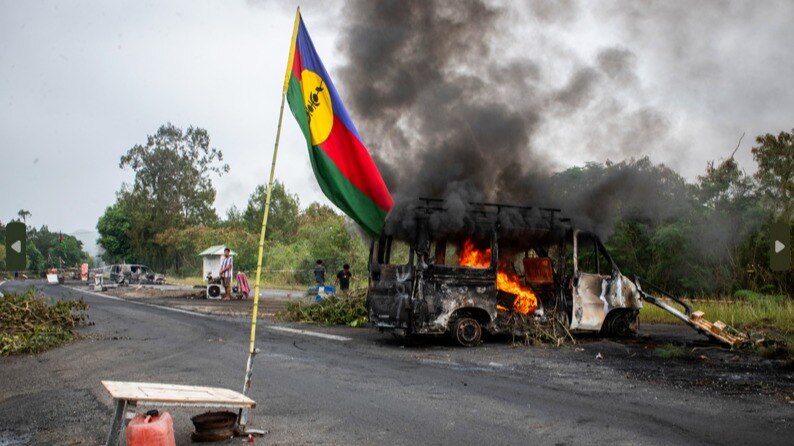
x,y
209,316
308,333
176,310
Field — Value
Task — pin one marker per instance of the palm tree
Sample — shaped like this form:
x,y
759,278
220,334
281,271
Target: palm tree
x,y
24,214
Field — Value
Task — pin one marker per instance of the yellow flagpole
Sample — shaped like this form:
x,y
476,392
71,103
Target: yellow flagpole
x,y
243,416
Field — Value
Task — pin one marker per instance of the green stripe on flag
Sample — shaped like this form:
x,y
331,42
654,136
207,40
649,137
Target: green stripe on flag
x,y
333,183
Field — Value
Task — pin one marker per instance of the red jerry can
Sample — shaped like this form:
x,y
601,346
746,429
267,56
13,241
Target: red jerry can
x,y
152,429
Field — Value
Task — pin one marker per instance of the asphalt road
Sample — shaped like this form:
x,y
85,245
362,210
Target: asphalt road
x,y
366,390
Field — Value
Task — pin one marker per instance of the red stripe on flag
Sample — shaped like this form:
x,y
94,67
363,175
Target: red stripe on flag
x,y
355,163
297,64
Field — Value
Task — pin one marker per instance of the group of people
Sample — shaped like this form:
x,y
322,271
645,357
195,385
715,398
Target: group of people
x,y
343,277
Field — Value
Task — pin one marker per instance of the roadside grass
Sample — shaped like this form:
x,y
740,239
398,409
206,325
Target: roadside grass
x,y
769,320
740,314
349,309
30,323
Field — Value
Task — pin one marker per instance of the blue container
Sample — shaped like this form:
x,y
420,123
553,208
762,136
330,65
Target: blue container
x,y
324,292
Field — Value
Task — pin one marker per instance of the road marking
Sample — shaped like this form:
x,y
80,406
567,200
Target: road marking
x,y
210,316
176,310
308,333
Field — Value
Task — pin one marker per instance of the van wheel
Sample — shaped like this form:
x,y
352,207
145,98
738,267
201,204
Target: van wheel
x,y
467,331
620,324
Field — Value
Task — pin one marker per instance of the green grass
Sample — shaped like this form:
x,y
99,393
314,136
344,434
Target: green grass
x,y
770,322
740,314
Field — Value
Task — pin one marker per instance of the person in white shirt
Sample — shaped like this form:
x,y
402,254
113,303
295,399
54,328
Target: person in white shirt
x,y
226,273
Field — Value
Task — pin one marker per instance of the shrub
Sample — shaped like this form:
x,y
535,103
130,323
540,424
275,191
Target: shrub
x,y
350,309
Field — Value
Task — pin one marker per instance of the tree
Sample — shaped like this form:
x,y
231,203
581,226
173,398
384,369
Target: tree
x,y
114,233
725,187
35,259
283,216
24,214
172,187
55,248
234,218
775,158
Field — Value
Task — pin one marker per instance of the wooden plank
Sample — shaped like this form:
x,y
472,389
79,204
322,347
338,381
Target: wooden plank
x,y
175,393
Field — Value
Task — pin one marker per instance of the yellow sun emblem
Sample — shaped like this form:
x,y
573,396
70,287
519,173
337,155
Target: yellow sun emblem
x,y
318,106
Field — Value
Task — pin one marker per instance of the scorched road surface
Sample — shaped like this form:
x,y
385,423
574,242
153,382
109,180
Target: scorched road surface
x,y
366,390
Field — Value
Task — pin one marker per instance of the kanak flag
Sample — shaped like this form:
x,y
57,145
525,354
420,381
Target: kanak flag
x,y
343,167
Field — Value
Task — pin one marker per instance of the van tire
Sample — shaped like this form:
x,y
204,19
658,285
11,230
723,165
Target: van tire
x,y
467,331
619,323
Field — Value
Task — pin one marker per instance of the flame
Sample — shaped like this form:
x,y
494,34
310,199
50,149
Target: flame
x,y
525,301
474,258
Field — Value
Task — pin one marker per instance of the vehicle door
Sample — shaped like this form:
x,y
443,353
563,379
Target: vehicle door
x,y
391,282
593,282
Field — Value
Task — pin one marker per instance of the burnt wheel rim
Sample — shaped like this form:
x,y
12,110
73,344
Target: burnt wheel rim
x,y
468,332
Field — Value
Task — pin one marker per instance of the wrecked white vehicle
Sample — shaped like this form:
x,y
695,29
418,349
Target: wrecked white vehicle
x,y
134,274
496,261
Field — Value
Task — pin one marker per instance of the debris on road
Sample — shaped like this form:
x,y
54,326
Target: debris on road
x,y
31,324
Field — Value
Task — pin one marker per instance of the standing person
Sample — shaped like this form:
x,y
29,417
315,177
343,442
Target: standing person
x,y
226,273
343,277
319,273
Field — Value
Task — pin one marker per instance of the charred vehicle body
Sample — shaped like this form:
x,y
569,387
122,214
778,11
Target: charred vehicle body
x,y
496,262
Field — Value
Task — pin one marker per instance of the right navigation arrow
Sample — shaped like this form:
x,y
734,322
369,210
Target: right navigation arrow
x,y
778,246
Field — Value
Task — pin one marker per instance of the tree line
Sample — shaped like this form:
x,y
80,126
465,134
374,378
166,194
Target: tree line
x,y
710,236
45,249
165,217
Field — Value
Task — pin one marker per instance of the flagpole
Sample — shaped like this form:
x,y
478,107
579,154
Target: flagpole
x,y
249,369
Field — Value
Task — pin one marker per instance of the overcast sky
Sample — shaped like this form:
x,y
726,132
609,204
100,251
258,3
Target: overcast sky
x,y
83,81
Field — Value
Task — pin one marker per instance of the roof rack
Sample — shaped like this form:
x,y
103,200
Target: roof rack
x,y
491,211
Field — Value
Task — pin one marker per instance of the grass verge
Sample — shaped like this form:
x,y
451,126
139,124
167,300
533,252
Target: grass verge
x,y
30,323
740,314
349,309
771,320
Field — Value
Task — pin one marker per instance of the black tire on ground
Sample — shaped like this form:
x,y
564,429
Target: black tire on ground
x,y
467,331
619,324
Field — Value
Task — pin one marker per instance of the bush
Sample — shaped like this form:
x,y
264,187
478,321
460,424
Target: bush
x,y
350,309
31,324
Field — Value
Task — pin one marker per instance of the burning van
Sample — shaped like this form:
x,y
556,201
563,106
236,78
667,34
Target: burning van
x,y
466,268
501,261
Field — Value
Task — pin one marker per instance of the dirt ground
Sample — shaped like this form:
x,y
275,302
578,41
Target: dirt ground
x,y
194,299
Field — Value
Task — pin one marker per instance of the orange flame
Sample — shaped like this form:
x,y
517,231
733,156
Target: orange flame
x,y
525,301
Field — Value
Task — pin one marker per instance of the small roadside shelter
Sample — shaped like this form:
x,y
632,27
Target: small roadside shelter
x,y
211,260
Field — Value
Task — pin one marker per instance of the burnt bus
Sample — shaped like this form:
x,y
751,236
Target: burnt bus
x,y
493,262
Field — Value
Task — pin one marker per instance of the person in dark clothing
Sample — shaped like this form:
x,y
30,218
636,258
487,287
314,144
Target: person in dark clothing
x,y
343,277
319,273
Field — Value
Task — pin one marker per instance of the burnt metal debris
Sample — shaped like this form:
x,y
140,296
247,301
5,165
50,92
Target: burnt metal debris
x,y
462,271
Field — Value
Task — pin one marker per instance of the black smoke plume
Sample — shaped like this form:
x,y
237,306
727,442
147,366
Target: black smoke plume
x,y
450,113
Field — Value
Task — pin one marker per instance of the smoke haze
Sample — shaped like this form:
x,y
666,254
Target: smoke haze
x,y
453,97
